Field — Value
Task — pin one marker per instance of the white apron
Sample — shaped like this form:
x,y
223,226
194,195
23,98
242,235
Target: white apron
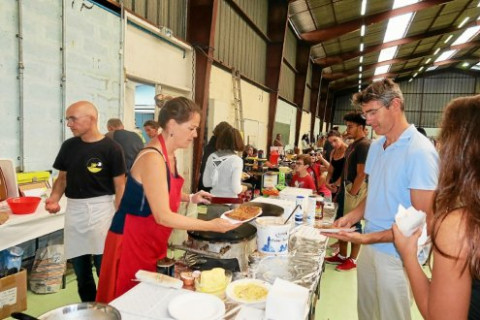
x,y
86,225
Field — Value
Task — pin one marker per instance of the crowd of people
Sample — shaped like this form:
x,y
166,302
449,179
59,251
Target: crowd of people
x,y
123,198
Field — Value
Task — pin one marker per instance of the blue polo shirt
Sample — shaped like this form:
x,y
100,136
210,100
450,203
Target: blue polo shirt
x,y
409,163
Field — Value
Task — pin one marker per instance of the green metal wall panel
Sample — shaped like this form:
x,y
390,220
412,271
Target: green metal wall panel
x,y
239,46
291,47
161,13
257,11
287,83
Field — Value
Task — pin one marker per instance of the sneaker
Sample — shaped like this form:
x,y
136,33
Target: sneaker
x,y
335,259
349,264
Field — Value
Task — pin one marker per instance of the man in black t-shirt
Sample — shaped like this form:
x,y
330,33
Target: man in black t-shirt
x,y
353,187
130,141
91,170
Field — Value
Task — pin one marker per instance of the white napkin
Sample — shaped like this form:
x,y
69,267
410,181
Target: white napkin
x,y
158,279
286,301
249,313
408,220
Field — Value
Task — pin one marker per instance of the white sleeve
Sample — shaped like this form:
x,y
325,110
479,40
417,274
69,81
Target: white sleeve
x,y
237,169
208,173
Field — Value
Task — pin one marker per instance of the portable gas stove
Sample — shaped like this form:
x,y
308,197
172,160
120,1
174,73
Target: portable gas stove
x,y
230,250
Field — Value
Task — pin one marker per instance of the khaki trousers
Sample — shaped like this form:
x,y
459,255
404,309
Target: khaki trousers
x,y
383,287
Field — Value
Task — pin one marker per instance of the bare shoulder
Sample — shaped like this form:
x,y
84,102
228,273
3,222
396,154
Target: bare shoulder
x,y
451,235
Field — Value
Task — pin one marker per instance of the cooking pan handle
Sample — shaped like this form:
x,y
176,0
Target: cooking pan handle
x,y
22,316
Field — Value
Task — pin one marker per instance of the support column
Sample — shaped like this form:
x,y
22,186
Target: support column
x,y
277,26
303,54
202,16
316,74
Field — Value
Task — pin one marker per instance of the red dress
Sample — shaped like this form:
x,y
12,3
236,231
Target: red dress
x,y
142,243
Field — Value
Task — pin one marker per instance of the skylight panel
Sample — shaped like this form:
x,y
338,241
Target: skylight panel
x,y
381,70
397,27
467,35
431,68
387,54
402,3
464,21
364,7
445,55
362,30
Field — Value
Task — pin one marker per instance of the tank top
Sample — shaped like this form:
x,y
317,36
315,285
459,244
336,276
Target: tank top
x,y
337,168
474,310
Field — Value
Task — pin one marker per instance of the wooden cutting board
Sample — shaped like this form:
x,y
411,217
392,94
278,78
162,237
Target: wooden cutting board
x,y
3,187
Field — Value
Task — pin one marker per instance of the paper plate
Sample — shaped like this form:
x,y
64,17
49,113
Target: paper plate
x,y
337,230
196,306
232,295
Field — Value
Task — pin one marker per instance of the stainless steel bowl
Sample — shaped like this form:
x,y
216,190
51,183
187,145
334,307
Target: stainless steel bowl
x,y
78,311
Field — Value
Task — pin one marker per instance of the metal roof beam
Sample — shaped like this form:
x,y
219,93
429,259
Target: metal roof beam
x,y
344,28
333,60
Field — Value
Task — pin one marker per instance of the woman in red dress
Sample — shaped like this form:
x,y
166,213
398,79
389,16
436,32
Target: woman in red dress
x,y
142,225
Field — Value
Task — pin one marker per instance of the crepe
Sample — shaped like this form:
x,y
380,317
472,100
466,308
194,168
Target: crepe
x,y
3,217
243,213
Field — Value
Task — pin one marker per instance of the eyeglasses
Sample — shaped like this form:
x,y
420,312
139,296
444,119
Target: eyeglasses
x,y
73,119
371,113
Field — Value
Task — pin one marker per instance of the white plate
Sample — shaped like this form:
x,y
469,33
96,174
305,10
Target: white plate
x,y
196,306
231,293
337,230
224,216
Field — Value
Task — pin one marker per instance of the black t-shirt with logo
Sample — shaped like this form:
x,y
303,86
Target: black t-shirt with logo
x,y
90,167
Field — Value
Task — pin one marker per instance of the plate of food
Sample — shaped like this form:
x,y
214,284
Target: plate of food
x,y
242,214
248,291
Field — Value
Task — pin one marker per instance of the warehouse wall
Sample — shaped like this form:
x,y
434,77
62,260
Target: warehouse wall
x,y
287,114
255,107
94,72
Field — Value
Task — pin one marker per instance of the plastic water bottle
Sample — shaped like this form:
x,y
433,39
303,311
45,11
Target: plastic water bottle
x,y
312,203
299,211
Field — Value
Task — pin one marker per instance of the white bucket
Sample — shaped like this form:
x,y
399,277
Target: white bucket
x,y
272,235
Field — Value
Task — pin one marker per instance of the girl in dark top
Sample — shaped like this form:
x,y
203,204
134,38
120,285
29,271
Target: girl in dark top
x,y
454,290
337,161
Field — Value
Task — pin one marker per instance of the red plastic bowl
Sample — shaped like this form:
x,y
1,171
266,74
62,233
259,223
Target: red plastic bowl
x,y
23,205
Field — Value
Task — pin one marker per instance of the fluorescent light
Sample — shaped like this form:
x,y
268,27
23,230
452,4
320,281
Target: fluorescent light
x,y
387,54
436,51
397,27
421,68
411,79
361,47
361,59
478,5
362,30
432,68
464,21
467,35
381,70
446,55
359,81
415,74
402,3
360,75
428,60
448,39
360,69
465,64
364,7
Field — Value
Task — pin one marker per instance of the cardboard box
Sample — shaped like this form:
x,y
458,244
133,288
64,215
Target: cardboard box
x,y
13,293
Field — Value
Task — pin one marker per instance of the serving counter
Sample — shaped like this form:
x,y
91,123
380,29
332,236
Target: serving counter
x,y
303,266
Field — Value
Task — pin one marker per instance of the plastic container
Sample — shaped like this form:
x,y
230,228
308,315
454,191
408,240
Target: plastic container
x,y
218,291
272,235
274,157
23,205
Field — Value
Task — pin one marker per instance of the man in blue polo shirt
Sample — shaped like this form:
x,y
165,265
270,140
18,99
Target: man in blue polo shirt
x,y
403,169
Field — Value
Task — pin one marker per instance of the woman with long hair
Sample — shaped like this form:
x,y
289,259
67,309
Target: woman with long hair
x,y
224,168
142,225
337,161
454,290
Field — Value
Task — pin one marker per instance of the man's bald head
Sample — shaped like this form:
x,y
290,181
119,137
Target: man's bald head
x,y
82,118
84,108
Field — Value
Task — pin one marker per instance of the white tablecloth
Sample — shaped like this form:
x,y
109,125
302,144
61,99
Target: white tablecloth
x,y
21,228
